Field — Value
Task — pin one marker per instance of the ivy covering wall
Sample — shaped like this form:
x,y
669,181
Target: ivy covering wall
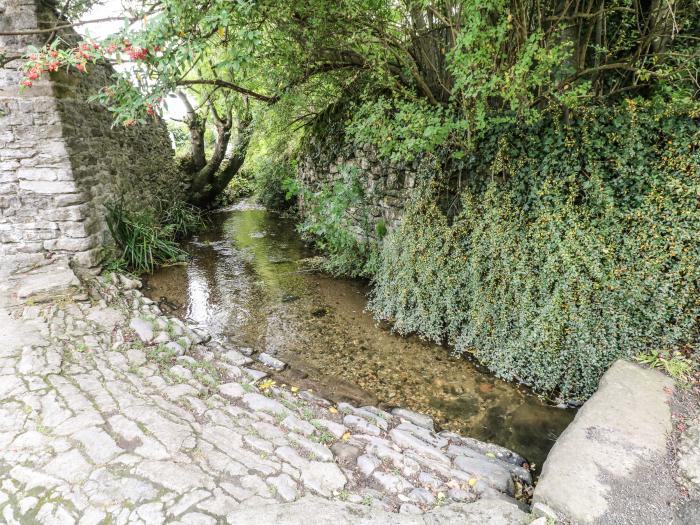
x,y
575,245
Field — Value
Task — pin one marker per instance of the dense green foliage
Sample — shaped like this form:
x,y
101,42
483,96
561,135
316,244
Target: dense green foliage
x,y
336,221
575,246
145,239
564,135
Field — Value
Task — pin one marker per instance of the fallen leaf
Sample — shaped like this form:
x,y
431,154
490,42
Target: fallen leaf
x,y
346,436
472,482
333,410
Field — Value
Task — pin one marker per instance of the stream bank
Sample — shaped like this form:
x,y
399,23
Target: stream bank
x,y
245,284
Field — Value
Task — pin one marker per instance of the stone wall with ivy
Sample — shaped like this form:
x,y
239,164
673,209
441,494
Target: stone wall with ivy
x,y
61,159
386,185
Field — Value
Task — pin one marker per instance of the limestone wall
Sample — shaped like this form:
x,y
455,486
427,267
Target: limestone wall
x,y
61,159
387,186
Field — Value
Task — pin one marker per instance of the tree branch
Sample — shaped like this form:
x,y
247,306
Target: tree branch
x,y
228,85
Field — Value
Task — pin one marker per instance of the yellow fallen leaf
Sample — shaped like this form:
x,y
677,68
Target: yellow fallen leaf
x,y
472,482
333,410
346,436
490,455
295,389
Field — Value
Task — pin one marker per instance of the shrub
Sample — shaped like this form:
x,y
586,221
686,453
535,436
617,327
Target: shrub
x,y
336,221
575,245
180,217
271,182
142,240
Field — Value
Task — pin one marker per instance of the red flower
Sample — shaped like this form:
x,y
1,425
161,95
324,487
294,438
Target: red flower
x,y
53,66
27,83
33,74
138,53
53,53
111,48
81,68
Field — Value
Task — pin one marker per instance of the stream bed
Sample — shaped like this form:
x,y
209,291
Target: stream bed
x,y
244,283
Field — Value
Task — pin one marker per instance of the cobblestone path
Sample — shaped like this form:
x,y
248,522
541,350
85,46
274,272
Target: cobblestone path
x,y
113,413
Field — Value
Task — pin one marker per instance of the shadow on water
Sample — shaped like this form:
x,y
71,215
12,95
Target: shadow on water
x,y
245,284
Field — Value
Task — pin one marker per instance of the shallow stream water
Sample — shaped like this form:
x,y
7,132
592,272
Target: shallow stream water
x,y
246,285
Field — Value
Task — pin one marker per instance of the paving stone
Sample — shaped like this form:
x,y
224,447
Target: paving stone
x,y
428,480
232,390
422,496
295,424
143,329
197,518
259,444
367,464
285,486
334,428
315,450
392,483
323,478
173,476
359,424
461,495
265,404
409,508
408,440
70,466
292,457
188,500
97,444
420,420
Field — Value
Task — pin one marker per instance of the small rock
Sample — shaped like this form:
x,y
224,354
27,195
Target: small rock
x,y
420,420
232,390
265,404
331,426
429,480
143,329
323,478
297,425
361,425
367,464
461,495
422,496
409,508
255,375
129,284
392,483
345,454
175,348
271,362
236,358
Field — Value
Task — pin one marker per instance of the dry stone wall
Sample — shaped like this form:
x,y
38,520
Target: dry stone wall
x,y
61,159
387,186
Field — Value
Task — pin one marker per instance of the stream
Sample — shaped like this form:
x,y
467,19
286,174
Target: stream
x,y
244,283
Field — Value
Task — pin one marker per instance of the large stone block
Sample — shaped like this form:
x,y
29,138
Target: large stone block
x,y
615,437
48,187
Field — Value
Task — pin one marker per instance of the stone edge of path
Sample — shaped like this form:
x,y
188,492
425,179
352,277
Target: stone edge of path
x,y
623,426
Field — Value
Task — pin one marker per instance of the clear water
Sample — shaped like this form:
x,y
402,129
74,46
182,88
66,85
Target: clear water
x,y
244,283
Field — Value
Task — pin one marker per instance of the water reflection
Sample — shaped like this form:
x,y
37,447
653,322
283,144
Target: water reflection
x,y
245,284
